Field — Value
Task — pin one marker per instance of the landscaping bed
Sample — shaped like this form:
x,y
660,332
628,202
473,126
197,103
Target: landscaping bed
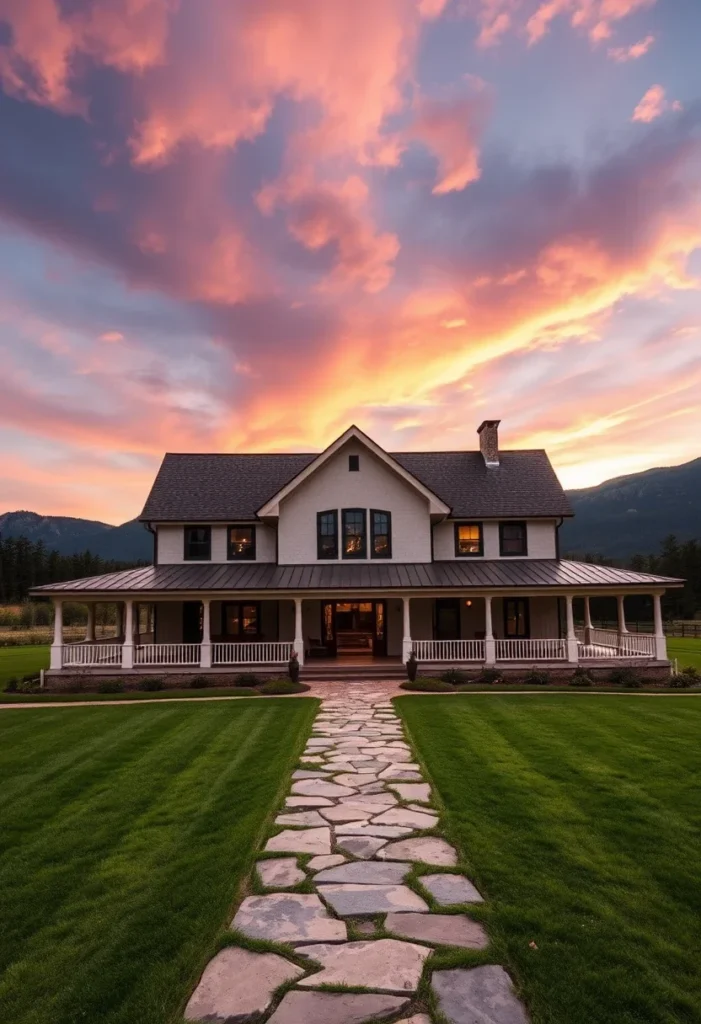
x,y
89,686
622,678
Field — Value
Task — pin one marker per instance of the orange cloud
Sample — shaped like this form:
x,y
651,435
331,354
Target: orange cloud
x,y
597,17
452,129
622,54
653,104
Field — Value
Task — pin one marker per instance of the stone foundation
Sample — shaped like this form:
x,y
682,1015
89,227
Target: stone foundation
x,y
89,682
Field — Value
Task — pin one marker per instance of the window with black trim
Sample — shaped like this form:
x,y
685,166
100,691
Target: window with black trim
x,y
198,543
380,533
241,543
327,534
469,541
354,539
241,619
513,539
353,463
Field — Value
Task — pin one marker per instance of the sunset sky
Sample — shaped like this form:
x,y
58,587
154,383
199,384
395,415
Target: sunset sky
x,y
241,225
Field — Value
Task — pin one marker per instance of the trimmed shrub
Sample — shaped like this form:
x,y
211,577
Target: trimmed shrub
x,y
536,677
282,686
412,667
425,684
247,679
293,667
627,677
11,685
688,677
455,676
199,683
111,686
150,684
489,676
580,677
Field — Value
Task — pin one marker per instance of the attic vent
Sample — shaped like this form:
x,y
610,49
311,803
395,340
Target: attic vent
x,y
353,463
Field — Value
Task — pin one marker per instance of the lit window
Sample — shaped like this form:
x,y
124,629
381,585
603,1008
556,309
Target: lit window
x,y
242,543
468,540
380,534
354,533
327,534
512,539
198,543
241,620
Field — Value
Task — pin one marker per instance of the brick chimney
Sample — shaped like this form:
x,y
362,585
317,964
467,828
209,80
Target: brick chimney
x,y
488,431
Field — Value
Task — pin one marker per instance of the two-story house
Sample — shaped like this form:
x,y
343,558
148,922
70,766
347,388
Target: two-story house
x,y
357,554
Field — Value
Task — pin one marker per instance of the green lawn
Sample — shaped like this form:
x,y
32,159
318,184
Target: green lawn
x,y
18,661
687,651
125,834
580,819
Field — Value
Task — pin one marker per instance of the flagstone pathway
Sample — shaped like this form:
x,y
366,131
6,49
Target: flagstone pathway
x,y
356,803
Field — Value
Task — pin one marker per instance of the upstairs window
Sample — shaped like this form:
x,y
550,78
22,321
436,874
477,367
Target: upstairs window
x,y
327,534
354,545
353,463
198,543
241,543
513,539
468,540
380,534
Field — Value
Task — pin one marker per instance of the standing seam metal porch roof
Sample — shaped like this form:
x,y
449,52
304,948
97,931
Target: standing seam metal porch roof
x,y
340,576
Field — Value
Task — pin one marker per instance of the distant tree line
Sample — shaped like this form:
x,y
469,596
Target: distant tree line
x,y
682,560
25,564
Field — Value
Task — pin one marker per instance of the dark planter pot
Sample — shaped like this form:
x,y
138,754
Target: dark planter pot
x,y
412,667
293,668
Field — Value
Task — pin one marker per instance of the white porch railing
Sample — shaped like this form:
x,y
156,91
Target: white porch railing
x,y
448,650
266,653
74,655
167,654
531,650
608,643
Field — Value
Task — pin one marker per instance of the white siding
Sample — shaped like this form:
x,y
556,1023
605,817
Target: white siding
x,y
542,540
171,544
373,486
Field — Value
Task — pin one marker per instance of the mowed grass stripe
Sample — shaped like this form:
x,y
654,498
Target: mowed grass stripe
x,y
113,904
583,842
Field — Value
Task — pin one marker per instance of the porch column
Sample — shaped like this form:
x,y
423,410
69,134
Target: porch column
x,y
128,642
572,646
299,632
206,645
406,629
622,628
660,638
587,620
490,646
58,635
90,628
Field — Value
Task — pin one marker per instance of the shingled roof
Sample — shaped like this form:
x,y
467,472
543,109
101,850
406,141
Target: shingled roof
x,y
229,487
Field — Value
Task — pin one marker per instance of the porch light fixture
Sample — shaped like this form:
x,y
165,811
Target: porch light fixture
x,y
468,604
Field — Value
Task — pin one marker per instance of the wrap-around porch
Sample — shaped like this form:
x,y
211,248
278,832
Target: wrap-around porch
x,y
239,630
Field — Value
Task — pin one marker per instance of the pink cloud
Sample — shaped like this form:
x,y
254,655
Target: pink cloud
x,y
452,129
622,54
596,17
653,105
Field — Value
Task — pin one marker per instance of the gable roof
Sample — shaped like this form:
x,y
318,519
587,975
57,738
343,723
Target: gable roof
x,y
218,488
436,504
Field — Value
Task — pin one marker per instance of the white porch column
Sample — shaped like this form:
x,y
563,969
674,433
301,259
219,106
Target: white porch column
x,y
490,646
622,628
299,632
206,645
90,628
128,642
572,646
406,628
660,638
587,620
58,635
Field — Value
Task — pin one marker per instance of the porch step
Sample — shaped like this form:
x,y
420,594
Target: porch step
x,y
368,670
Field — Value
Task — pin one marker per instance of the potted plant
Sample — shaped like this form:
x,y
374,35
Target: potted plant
x,y
412,667
293,667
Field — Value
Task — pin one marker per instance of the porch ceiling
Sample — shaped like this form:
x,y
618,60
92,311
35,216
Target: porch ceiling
x,y
345,576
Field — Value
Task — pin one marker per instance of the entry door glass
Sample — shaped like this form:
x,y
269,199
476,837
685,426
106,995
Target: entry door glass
x,y
447,619
516,626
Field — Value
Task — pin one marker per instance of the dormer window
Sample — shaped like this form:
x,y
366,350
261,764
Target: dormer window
x,y
354,540
327,534
380,534
241,543
198,543
353,463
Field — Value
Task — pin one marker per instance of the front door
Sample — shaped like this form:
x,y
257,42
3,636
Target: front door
x,y
517,624
354,628
447,626
192,622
